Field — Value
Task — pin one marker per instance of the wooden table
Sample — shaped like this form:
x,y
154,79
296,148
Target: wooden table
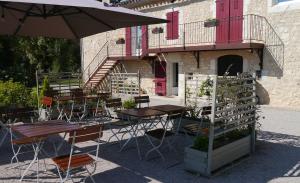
x,y
42,129
169,109
138,114
141,112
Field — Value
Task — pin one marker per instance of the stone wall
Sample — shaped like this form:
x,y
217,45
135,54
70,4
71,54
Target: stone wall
x,y
278,86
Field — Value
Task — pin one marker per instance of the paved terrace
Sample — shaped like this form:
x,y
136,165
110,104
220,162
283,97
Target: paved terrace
x,y
277,159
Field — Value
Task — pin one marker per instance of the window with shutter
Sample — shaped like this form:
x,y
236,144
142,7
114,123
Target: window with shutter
x,y
173,25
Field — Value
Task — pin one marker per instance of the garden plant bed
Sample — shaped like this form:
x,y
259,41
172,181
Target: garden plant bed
x,y
197,161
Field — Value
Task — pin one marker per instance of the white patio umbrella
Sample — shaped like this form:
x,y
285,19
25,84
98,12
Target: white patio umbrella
x,y
70,19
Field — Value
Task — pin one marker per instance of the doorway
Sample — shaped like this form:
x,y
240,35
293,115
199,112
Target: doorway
x,y
160,78
231,64
136,40
175,78
230,16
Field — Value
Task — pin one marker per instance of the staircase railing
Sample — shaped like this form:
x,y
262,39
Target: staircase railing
x,y
274,44
100,57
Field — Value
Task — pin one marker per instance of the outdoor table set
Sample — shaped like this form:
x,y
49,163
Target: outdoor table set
x,y
141,121
71,107
145,121
38,133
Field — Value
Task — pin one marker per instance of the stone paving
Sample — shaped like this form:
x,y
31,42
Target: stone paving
x,y
276,160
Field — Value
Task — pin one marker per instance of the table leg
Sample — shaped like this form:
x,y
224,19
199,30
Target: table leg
x,y
37,148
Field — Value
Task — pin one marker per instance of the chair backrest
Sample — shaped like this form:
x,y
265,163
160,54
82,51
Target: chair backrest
x,y
113,103
142,100
88,133
206,110
47,101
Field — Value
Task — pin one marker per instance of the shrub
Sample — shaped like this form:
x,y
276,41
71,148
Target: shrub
x,y
201,143
14,94
129,104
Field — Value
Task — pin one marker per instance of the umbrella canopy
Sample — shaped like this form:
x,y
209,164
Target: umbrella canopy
x,y
70,19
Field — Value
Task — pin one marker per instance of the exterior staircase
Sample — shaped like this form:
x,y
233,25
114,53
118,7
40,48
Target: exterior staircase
x,y
99,68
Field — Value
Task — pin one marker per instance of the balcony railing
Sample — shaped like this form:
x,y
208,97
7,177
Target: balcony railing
x,y
247,29
242,29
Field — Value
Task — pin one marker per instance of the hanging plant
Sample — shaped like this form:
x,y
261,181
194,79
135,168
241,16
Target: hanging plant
x,y
157,30
120,41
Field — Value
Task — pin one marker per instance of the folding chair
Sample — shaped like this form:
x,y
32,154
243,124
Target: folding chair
x,y
196,129
139,100
112,106
46,103
163,134
68,164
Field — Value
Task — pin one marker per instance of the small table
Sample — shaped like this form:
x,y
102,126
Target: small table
x,y
42,129
139,114
171,109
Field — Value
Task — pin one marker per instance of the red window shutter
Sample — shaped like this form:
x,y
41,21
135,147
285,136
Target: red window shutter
x,y
128,41
169,25
175,34
173,25
144,39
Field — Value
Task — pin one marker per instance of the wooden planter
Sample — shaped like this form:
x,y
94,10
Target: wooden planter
x,y
211,23
197,161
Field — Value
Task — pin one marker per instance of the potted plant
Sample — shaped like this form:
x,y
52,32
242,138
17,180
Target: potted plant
x,y
129,104
157,30
120,41
226,149
212,22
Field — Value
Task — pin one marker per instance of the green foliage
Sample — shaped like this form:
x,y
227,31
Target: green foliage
x,y
20,57
129,104
201,143
206,88
45,87
15,94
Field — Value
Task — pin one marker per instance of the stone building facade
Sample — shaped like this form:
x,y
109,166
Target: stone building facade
x,y
269,46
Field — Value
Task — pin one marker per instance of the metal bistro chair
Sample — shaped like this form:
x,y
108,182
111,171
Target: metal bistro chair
x,y
68,164
140,100
196,129
164,134
46,103
117,124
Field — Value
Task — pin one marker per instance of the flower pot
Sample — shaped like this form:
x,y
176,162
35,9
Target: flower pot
x,y
157,30
211,23
120,41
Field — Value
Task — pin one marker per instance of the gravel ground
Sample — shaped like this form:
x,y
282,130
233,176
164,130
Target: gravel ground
x,y
276,160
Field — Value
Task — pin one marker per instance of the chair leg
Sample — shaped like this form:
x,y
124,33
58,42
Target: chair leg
x,y
155,148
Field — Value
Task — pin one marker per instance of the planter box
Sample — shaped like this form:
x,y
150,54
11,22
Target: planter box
x,y
212,23
197,161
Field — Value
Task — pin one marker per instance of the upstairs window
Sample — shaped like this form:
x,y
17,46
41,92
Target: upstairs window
x,y
173,25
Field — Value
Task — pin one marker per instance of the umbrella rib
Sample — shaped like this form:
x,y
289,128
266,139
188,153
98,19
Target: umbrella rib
x,y
23,20
70,27
95,18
